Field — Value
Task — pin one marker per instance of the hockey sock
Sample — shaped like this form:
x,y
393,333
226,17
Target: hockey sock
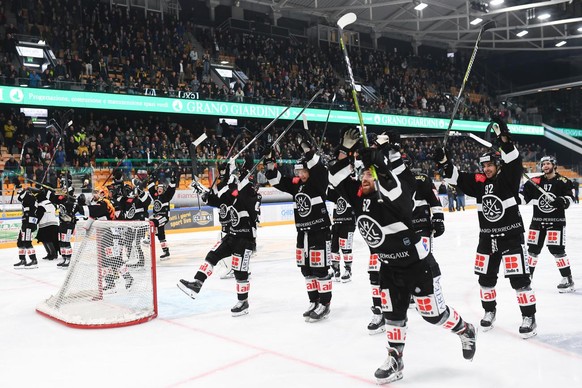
x,y
242,289
396,334
532,261
526,299
324,289
311,285
204,271
563,264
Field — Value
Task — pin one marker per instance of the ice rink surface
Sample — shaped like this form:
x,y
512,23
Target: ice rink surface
x,y
197,343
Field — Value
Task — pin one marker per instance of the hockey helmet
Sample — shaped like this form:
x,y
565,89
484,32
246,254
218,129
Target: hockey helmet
x,y
551,159
491,156
300,164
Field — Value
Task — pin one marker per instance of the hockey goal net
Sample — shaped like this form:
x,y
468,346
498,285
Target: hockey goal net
x,y
111,279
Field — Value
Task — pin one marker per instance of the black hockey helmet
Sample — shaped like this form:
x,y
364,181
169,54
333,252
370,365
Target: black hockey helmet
x,y
300,164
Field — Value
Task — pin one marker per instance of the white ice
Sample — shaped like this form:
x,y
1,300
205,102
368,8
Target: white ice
x,y
197,343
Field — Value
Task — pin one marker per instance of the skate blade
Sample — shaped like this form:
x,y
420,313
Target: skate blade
x,y
346,280
164,258
313,320
110,291
528,335
63,268
485,329
31,267
187,291
377,331
566,290
395,377
240,313
337,280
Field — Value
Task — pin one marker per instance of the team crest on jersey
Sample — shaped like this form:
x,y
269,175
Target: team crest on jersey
x,y
157,206
492,207
544,204
371,231
222,211
234,218
303,203
130,213
341,206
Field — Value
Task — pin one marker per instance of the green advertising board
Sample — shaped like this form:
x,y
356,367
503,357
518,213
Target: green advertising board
x,y
151,104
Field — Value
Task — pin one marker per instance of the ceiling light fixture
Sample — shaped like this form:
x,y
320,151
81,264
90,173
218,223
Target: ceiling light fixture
x,y
496,2
420,6
522,33
544,16
560,44
476,21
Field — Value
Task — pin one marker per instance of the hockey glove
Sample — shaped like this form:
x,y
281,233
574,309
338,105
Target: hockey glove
x,y
441,157
560,203
391,139
374,157
500,128
198,187
350,139
438,224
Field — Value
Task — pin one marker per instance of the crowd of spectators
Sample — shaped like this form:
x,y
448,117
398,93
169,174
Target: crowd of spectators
x,y
167,55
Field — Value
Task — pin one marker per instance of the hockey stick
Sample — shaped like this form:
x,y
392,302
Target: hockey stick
x,y
345,20
261,133
306,130
262,159
493,148
28,140
430,135
490,24
327,120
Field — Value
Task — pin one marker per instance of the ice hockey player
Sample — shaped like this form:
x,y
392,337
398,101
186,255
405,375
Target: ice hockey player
x,y
342,236
29,225
384,218
501,237
238,243
309,190
161,195
48,224
133,205
549,219
66,203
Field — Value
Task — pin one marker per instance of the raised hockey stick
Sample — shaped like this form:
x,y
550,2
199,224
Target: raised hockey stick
x,y
327,120
490,24
345,20
262,159
257,136
306,130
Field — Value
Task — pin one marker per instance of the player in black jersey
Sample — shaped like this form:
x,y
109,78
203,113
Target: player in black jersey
x,y
133,205
66,203
501,227
549,219
161,195
342,236
407,267
29,225
309,191
238,243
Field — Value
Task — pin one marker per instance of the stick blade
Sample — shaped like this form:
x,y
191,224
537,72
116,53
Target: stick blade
x,y
347,19
200,139
305,125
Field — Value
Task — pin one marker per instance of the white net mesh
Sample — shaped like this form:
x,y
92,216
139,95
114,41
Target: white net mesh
x,y
111,277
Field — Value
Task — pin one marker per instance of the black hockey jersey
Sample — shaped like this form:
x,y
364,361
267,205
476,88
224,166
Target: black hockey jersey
x,y
426,203
222,199
134,208
66,205
385,226
543,211
29,209
162,202
243,211
497,198
342,212
309,198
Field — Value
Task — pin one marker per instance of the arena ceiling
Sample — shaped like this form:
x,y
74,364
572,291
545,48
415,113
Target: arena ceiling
x,y
447,23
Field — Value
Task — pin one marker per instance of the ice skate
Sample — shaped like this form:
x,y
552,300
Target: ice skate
x,y
376,326
468,341
488,320
528,327
320,313
391,369
312,306
190,288
166,255
566,285
347,277
32,265
241,308
21,264
336,276
63,264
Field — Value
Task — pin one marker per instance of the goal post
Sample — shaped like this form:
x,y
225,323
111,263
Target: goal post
x,y
111,279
